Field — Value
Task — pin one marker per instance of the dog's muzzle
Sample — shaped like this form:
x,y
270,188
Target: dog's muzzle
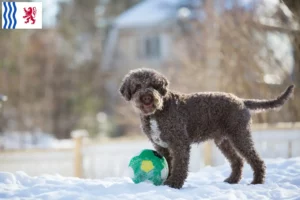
x,y
147,99
147,102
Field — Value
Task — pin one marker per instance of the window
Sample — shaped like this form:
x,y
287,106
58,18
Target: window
x,y
150,48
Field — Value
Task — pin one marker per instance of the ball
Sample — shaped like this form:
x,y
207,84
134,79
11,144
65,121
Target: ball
x,y
149,166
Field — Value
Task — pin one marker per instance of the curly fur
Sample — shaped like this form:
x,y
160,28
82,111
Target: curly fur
x,y
173,121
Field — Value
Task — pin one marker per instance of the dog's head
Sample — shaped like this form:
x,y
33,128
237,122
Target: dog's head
x,y
145,88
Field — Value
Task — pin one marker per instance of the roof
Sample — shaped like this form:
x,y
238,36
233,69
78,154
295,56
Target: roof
x,y
147,13
153,12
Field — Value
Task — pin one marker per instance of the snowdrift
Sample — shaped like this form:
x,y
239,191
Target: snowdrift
x,y
283,182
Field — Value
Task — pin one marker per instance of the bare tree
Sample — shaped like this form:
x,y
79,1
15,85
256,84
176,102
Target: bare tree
x,y
294,6
230,52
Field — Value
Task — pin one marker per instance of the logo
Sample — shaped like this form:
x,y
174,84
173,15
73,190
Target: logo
x,y
22,15
30,14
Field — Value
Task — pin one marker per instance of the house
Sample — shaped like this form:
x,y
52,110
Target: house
x,y
150,34
144,35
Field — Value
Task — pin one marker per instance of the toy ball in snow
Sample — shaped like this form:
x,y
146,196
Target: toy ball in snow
x,y
149,166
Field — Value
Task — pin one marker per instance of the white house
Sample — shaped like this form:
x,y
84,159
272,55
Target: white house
x,y
146,35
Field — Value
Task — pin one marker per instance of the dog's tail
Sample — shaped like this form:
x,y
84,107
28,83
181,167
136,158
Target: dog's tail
x,y
261,105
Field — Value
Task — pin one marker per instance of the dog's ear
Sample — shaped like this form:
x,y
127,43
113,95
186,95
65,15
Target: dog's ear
x,y
163,85
125,89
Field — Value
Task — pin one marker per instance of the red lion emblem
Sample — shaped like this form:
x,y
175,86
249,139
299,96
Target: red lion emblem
x,y
30,14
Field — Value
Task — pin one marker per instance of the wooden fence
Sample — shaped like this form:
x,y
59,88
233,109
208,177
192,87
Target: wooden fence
x,y
111,159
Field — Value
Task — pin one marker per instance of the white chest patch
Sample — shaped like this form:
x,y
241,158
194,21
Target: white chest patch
x,y
155,134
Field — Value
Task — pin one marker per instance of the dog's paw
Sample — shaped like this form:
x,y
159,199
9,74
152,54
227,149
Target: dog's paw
x,y
258,181
232,180
173,184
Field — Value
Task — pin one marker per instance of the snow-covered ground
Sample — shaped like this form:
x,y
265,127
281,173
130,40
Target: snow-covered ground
x,y
31,140
283,182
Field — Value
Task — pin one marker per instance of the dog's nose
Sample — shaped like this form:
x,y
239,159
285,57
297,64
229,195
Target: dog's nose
x,y
147,99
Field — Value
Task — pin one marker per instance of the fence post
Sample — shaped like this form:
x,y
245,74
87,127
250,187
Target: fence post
x,y
290,147
78,136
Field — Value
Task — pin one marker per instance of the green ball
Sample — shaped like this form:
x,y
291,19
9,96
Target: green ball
x,y
149,166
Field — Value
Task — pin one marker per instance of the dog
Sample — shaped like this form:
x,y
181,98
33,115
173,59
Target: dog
x,y
173,121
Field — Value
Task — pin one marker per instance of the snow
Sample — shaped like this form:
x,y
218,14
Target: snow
x,y
154,12
29,140
266,11
3,98
282,182
148,13
79,133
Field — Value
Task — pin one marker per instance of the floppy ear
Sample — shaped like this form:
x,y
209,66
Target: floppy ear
x,y
163,82
125,89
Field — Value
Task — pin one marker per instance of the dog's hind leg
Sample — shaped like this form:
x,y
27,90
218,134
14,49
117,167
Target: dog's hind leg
x,y
242,142
236,162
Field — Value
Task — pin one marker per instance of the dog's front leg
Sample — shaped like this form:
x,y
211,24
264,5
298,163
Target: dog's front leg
x,y
180,153
165,153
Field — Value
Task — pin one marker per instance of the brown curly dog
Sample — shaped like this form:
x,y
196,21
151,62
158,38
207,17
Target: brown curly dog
x,y
173,121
